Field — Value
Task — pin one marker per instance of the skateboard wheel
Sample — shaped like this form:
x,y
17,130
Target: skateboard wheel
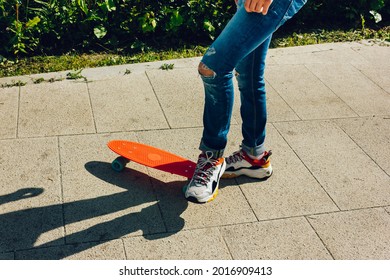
x,y
119,164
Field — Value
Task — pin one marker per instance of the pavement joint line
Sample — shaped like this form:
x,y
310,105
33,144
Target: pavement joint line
x,y
158,100
18,113
288,105
319,237
360,147
322,82
247,200
62,188
91,106
308,169
385,90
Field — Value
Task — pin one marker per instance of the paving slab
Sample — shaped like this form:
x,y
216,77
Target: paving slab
x,y
290,191
305,93
355,89
180,93
59,108
372,135
294,55
185,245
318,54
355,235
378,74
277,109
375,54
229,207
30,193
99,203
285,239
349,176
9,99
125,103
329,196
344,53
111,250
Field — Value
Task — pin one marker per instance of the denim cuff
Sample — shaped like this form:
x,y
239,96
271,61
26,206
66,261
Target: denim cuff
x,y
253,151
216,153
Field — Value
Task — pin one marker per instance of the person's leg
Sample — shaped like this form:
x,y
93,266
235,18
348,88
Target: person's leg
x,y
243,34
251,83
252,159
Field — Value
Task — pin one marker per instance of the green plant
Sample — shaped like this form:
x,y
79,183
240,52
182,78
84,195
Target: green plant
x,y
13,84
167,66
51,27
75,75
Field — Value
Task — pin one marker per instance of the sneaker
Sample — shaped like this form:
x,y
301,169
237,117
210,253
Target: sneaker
x,y
203,187
241,164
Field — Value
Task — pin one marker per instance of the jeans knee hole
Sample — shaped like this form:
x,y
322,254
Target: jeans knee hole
x,y
205,71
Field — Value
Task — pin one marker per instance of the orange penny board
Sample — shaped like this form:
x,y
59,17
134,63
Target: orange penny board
x,y
153,157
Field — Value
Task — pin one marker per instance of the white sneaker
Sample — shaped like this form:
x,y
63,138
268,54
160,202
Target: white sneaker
x,y
203,187
241,164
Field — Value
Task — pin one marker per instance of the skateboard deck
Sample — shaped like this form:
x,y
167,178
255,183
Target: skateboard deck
x,y
150,157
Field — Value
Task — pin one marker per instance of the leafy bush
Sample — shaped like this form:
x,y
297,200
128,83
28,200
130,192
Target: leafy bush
x,y
29,27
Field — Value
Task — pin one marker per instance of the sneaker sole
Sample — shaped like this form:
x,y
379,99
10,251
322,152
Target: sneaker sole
x,y
195,200
264,176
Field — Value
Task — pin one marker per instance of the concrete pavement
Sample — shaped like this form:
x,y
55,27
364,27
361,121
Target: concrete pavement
x,y
329,196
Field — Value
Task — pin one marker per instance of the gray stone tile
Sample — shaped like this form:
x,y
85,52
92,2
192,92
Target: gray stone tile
x,y
111,250
7,256
355,89
355,235
376,55
55,109
305,93
290,191
340,53
348,175
372,135
278,109
294,55
286,239
99,203
8,112
185,245
181,95
125,103
318,54
229,207
378,74
30,194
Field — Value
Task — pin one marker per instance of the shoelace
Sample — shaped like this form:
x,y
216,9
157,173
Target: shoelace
x,y
235,157
202,175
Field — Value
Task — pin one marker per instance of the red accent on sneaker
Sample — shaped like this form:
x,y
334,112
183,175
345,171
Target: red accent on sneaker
x,y
257,162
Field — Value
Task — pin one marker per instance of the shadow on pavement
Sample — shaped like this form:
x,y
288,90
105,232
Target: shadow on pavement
x,y
23,229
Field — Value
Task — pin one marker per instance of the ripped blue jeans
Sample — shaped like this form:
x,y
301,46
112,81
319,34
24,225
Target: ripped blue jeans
x,y
243,46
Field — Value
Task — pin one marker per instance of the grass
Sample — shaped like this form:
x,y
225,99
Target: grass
x,y
74,61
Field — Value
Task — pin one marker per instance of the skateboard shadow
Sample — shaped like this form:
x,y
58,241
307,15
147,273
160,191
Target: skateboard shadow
x,y
146,206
